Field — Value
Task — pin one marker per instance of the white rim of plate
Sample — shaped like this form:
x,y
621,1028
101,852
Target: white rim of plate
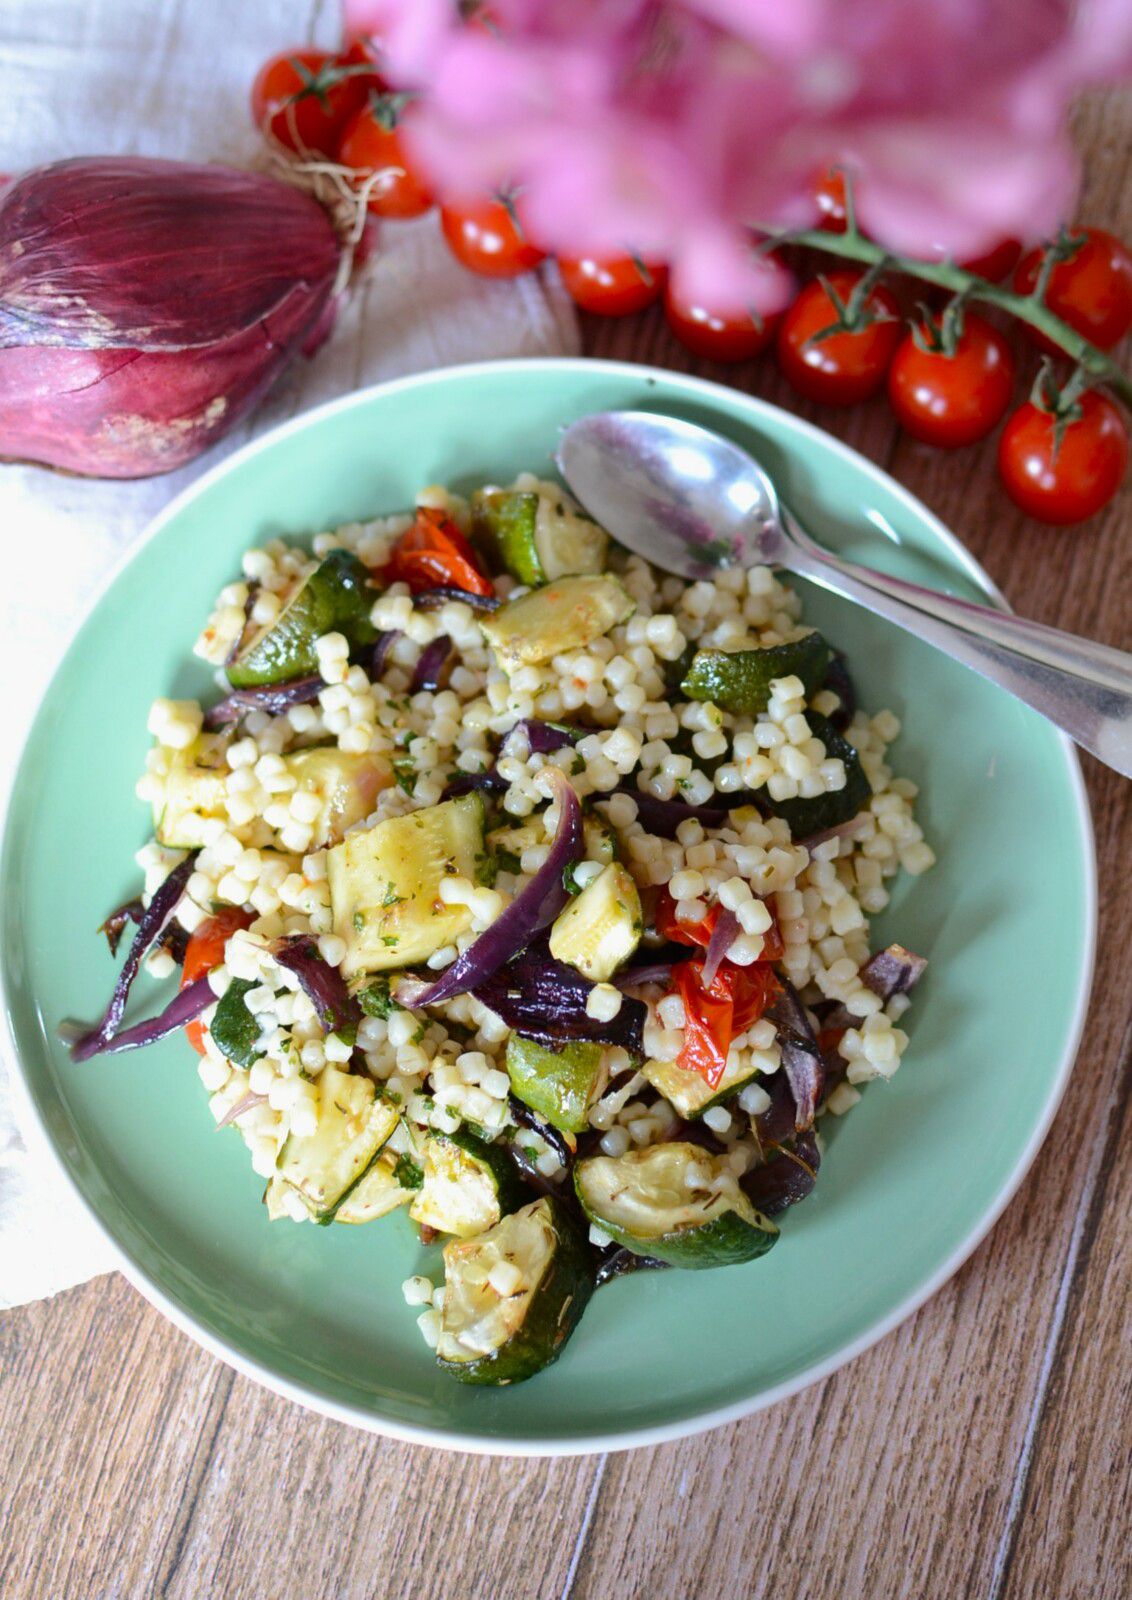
x,y
702,1422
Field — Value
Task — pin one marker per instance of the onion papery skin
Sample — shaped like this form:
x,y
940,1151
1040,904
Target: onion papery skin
x,y
147,306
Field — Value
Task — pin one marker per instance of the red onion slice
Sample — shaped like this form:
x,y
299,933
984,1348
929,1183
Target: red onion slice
x,y
543,738
272,698
723,936
469,782
156,915
119,919
433,599
246,1103
323,984
801,1058
430,672
188,1003
893,971
545,1000
533,908
374,660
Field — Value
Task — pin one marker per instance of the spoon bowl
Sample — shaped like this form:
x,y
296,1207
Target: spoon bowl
x,y
686,499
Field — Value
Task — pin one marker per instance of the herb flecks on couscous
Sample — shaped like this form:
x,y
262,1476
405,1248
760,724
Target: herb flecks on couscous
x,y
633,820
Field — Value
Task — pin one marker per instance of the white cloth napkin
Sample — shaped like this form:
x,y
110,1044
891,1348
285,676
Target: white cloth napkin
x,y
171,78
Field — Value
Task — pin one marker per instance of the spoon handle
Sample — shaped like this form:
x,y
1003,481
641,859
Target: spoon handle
x,y
1084,688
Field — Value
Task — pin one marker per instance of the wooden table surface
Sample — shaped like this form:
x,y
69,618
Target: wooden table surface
x,y
981,1450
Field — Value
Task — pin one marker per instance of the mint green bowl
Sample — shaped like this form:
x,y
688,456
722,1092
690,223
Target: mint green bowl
x,y
913,1178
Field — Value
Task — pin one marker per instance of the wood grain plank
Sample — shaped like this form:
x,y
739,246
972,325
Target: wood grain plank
x,y
924,1442
1075,1509
294,1506
1072,1533
105,1414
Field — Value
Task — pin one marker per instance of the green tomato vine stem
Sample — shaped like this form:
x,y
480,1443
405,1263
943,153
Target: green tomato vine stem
x,y
1027,308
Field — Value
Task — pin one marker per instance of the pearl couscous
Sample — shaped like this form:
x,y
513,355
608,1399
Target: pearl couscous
x,y
630,830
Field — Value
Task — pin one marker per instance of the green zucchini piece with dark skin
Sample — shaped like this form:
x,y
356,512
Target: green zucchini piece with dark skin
x,y
503,524
493,1337
643,1200
468,1185
739,680
353,1128
235,1032
335,598
557,1084
836,806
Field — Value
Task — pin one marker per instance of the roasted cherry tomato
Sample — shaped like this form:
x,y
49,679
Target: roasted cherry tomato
x,y
204,951
715,335
612,286
372,143
716,1014
432,553
487,237
842,368
995,263
666,924
1092,291
304,98
952,400
699,933
829,192
1068,478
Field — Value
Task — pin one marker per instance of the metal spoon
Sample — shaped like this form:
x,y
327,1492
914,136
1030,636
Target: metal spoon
x,y
692,502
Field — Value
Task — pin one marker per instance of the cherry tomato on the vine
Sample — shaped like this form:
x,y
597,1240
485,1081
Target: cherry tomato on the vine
x,y
954,399
718,336
841,368
612,286
1068,478
372,143
304,98
487,237
829,192
1092,291
995,263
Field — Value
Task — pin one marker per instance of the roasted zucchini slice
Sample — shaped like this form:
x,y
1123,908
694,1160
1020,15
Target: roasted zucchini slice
x,y
193,788
385,884
559,1084
537,537
353,1127
740,680
687,1093
564,615
513,1296
468,1185
601,927
345,785
335,598
675,1202
379,1192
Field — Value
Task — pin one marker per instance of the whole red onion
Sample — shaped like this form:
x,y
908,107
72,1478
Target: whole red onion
x,y
146,306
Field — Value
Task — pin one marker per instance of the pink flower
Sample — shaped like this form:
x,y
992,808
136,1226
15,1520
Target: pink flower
x,y
673,127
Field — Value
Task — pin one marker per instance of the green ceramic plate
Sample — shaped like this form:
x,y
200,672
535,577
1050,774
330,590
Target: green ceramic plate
x,y
914,1176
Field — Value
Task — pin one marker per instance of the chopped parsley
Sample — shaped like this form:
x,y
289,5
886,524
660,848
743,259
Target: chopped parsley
x,y
407,1173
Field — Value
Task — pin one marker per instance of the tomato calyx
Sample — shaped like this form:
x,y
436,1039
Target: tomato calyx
x,y
317,83
859,310
1063,247
1061,402
940,335
388,106
508,197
